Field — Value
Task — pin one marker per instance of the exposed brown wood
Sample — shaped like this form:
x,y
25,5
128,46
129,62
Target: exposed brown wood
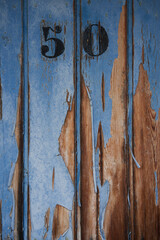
x,y
0,219
53,178
99,237
100,146
114,154
76,229
103,92
131,163
88,195
66,141
18,171
60,222
147,154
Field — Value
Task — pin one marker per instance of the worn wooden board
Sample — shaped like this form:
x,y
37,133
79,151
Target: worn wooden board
x,y
103,120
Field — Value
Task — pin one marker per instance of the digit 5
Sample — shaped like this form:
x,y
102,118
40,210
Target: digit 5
x,y
59,46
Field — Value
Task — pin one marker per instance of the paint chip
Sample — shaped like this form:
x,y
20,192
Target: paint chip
x,y
137,164
156,188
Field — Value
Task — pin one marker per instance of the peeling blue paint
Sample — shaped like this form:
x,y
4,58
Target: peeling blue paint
x,y
137,164
92,68
129,236
104,197
146,33
129,203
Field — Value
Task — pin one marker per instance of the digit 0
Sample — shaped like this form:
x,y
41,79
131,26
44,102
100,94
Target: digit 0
x,y
95,40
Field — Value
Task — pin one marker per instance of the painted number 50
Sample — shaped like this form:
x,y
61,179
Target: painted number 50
x,y
95,41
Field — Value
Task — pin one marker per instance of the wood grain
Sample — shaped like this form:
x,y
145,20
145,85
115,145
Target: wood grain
x,y
88,195
114,155
60,222
146,152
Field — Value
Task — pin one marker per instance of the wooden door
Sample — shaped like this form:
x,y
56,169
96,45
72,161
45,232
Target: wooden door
x,y
79,119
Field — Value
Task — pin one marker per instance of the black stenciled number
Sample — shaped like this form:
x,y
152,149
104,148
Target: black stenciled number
x,y
88,40
59,46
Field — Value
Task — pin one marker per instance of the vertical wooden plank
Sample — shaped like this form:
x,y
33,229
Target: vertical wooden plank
x,y
130,58
11,200
25,120
52,118
146,103
104,92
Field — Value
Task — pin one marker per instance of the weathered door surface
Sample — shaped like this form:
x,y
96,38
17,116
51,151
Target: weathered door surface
x,y
79,119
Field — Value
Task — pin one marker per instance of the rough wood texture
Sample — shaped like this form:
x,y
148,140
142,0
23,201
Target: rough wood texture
x,y
88,195
146,152
60,222
18,171
113,156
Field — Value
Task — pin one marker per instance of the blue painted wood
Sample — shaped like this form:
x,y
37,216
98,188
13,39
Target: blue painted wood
x,y
50,80
10,74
